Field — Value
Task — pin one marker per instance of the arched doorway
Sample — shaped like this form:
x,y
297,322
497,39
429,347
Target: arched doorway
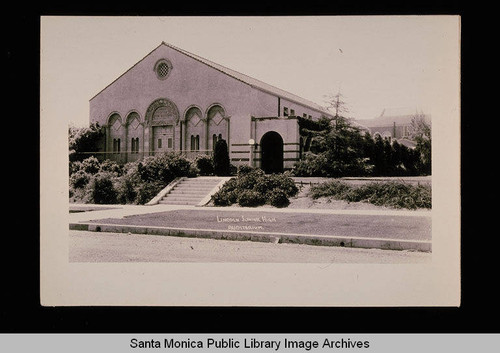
x,y
162,116
271,145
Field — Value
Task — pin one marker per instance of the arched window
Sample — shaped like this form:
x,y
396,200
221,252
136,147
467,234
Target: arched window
x,y
217,124
197,142
193,146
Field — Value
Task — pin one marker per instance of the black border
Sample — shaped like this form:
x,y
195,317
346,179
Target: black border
x,y
21,311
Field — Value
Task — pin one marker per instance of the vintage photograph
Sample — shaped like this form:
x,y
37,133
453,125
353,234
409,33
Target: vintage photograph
x,y
253,140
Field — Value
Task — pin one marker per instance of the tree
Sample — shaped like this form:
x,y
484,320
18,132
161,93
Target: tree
x,y
336,104
84,140
420,132
221,158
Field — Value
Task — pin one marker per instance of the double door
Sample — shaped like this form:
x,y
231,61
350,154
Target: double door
x,y
163,138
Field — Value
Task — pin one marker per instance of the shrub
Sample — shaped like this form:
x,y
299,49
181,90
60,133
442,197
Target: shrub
x,y
248,180
225,197
101,189
79,180
253,188
146,191
272,182
221,158
312,165
74,167
244,169
90,165
163,168
250,198
334,188
278,198
205,165
111,167
126,188
389,194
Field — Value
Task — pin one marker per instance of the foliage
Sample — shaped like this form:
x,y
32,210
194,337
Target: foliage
x,y
389,194
127,188
163,168
311,165
276,182
205,165
420,131
111,167
135,182
244,169
251,187
146,191
101,189
250,198
278,198
84,140
221,158
79,179
90,165
336,148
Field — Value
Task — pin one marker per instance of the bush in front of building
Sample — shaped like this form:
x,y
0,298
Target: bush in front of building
x,y
137,182
101,189
79,179
270,183
221,158
251,188
111,167
90,165
205,165
389,194
311,165
251,198
278,198
163,168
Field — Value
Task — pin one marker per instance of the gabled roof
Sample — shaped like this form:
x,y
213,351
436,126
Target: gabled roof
x,y
252,81
400,116
240,77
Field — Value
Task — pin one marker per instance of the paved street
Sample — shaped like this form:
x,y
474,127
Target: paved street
x,y
87,246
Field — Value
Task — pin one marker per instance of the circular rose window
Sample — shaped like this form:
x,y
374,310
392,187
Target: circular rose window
x,y
162,69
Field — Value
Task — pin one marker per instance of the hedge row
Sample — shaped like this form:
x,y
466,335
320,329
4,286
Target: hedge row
x,y
391,194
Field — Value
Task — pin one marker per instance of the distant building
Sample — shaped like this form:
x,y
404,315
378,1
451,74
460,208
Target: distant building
x,y
394,124
173,100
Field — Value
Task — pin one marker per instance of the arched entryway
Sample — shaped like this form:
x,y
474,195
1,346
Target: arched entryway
x,y
271,146
162,117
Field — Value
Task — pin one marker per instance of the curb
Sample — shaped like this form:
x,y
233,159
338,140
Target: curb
x,y
314,239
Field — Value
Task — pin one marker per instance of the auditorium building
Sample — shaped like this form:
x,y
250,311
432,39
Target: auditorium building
x,y
173,100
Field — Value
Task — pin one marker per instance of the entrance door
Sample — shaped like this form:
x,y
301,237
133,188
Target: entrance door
x,y
163,138
271,146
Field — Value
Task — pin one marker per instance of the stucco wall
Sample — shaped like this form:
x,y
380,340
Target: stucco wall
x,y
194,84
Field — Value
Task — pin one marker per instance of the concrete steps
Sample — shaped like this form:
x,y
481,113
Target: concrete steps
x,y
190,191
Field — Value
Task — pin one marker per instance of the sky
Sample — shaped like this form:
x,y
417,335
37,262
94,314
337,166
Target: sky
x,y
401,63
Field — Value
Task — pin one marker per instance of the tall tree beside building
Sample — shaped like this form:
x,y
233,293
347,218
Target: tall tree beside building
x,y
420,132
84,141
221,158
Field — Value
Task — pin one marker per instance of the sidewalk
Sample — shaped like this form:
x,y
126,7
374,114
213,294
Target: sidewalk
x,y
384,229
